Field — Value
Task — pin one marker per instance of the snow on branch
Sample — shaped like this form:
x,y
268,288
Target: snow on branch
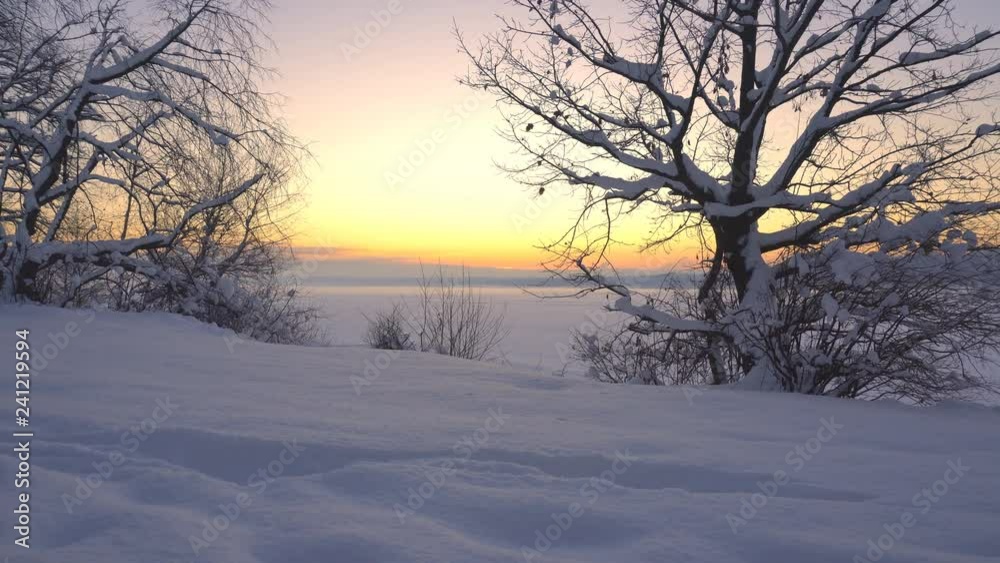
x,y
660,321
828,122
113,122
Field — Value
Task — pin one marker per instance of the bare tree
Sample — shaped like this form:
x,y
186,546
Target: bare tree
x,y
139,151
766,130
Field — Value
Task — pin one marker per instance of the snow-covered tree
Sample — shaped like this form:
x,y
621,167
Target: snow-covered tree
x,y
138,148
847,145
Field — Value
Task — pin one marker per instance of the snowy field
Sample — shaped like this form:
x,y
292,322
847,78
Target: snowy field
x,y
161,440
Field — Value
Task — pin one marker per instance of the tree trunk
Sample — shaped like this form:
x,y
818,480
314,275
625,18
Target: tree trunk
x,y
736,241
732,237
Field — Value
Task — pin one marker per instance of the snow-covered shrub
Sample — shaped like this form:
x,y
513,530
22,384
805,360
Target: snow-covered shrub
x,y
230,266
920,324
269,310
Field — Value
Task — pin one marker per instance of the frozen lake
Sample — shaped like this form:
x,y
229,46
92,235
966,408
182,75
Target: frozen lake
x,y
540,328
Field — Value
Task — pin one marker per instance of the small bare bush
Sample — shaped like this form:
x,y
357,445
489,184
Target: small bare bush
x,y
388,331
449,317
624,356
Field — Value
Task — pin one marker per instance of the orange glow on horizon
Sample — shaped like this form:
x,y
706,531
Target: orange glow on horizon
x,y
500,258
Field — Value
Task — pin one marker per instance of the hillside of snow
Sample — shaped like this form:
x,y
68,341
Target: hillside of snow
x,y
161,440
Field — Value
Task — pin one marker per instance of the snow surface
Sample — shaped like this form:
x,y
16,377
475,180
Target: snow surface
x,y
515,449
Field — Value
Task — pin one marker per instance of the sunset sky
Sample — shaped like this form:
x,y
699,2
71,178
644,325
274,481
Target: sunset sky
x,y
367,109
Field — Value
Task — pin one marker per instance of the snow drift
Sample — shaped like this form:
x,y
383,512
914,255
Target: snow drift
x,y
159,439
